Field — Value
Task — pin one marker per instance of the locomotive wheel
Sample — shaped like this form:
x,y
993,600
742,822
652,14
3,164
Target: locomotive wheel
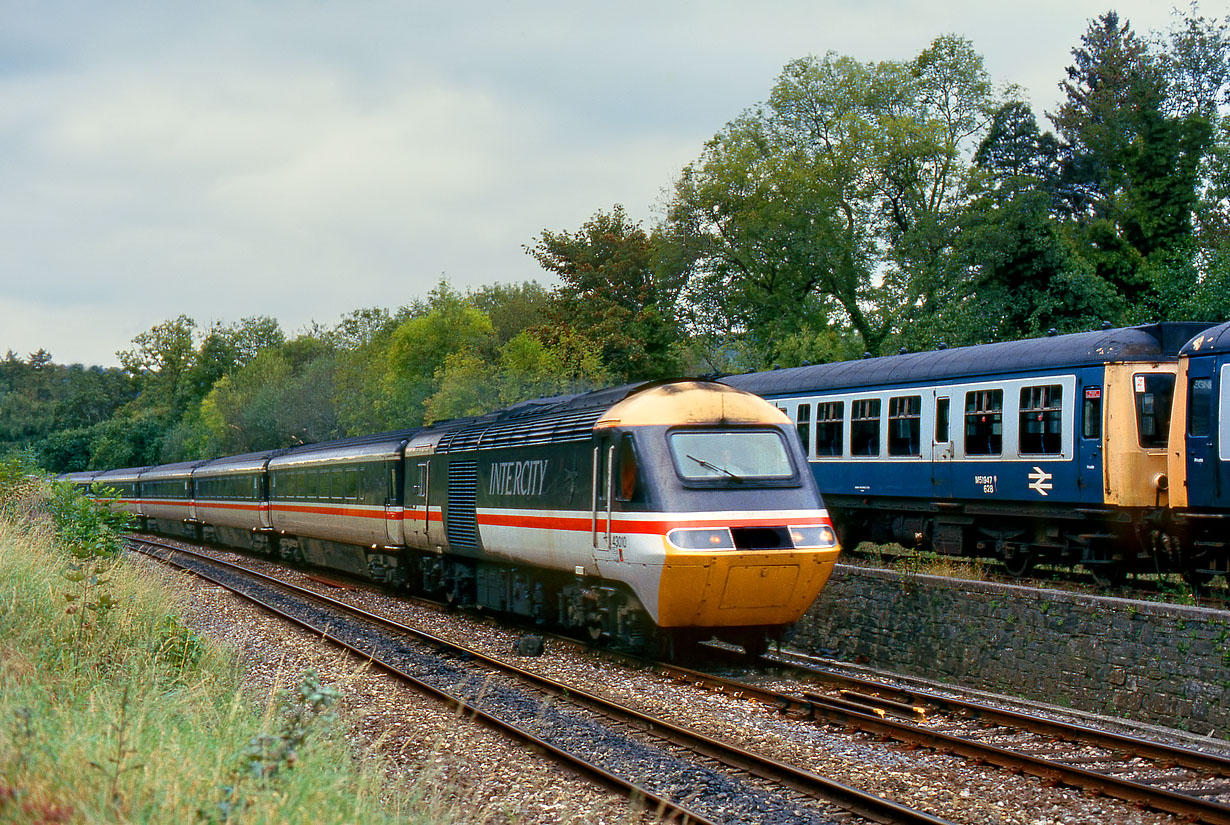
x,y
1018,562
754,645
1197,579
1107,573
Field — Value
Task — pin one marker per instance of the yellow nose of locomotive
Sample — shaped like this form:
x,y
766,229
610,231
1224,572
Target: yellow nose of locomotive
x,y
734,588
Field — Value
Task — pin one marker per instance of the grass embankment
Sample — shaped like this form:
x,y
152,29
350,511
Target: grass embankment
x,y
113,710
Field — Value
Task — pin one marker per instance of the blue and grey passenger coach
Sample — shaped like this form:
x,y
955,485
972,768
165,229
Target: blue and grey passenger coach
x,y
1051,448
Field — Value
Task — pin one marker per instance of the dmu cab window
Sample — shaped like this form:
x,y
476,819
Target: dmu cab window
x,y
984,422
1042,420
905,425
865,427
708,455
1200,407
1154,393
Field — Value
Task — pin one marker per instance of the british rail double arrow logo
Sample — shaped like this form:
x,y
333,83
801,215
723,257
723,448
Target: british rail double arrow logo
x,y
1040,480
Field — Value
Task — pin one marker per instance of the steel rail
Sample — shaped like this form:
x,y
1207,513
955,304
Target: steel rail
x,y
638,795
1157,798
862,711
1150,749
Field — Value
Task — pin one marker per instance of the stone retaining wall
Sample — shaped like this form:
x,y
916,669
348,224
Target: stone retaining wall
x,y
1157,663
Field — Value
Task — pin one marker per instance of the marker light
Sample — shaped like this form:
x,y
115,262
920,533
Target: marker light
x,y
821,536
716,538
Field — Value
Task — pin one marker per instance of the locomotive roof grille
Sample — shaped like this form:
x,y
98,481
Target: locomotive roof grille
x,y
546,429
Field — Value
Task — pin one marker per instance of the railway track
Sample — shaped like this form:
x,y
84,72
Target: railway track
x,y
683,774
1189,783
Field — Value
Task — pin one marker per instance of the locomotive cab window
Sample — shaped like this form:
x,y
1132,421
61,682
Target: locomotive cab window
x,y
737,456
865,427
905,425
628,475
1041,430
829,422
1154,394
984,422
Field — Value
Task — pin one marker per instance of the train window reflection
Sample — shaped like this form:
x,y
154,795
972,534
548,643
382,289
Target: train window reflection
x,y
731,455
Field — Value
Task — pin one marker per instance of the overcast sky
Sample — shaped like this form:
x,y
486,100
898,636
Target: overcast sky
x,y
305,159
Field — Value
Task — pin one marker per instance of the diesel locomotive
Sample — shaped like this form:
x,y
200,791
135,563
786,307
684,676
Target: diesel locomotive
x,y
653,515
1054,449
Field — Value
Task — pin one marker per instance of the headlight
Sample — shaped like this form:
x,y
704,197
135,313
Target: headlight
x,y
715,538
813,537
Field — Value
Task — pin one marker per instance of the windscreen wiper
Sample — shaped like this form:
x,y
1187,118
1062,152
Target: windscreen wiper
x,y
708,465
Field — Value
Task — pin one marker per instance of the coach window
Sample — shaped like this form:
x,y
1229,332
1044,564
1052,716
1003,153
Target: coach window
x,y
1154,393
1042,420
984,422
941,420
804,427
865,427
830,418
905,425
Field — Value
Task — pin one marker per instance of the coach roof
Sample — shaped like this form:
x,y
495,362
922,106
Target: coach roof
x,y
1215,339
1153,341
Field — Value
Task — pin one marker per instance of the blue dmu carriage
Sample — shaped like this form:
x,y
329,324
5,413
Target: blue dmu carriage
x,y
1050,449
1200,452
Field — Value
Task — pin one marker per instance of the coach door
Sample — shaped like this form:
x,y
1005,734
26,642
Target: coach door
x,y
416,503
942,444
394,514
603,484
